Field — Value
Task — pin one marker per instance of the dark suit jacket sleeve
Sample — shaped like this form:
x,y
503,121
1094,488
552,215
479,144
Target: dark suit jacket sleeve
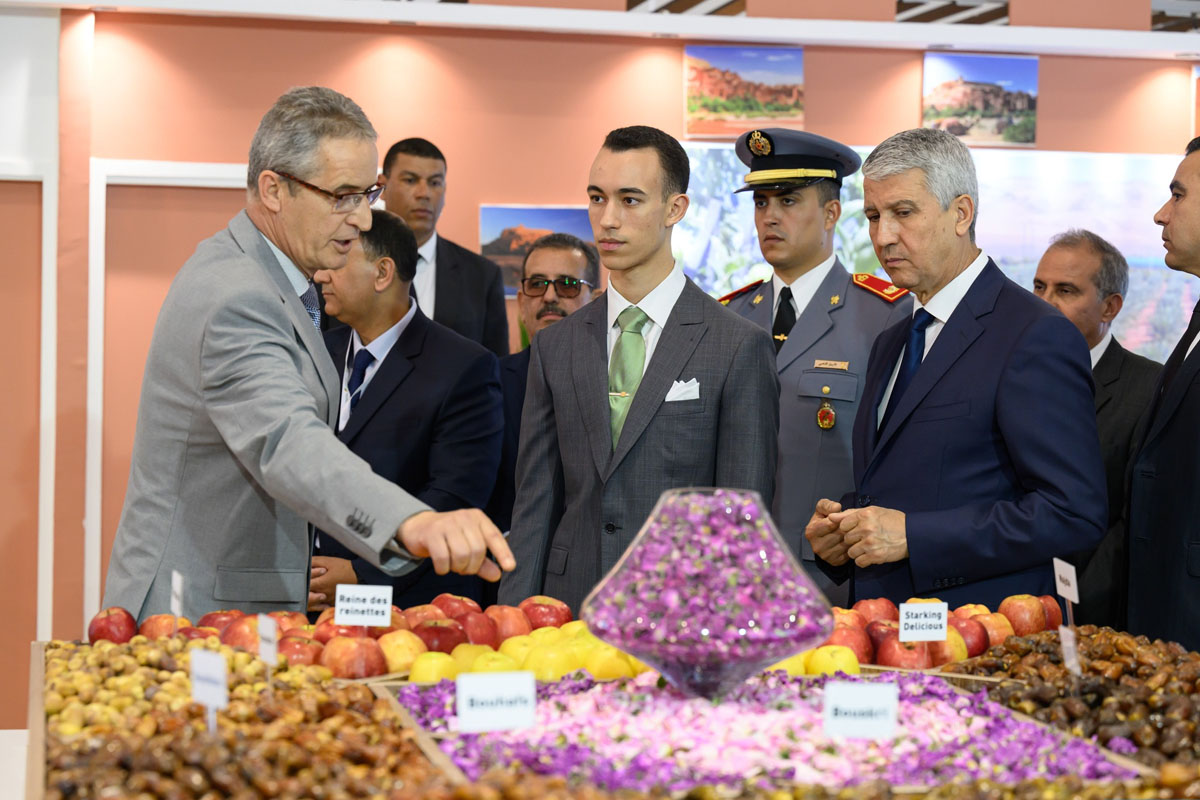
x,y
539,504
748,430
1047,426
495,323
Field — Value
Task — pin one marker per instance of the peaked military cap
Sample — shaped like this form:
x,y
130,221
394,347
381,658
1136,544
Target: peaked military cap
x,y
780,158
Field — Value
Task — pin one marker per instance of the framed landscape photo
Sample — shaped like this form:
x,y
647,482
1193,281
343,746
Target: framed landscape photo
x,y
981,99
506,231
732,89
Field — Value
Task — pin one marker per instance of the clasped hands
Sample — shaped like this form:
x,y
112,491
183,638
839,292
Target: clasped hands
x,y
866,536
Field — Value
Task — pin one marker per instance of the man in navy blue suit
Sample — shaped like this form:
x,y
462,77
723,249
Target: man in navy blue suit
x,y
557,278
976,456
420,403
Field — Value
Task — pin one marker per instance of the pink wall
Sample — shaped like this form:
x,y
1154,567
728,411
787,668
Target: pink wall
x,y
1131,15
877,10
876,94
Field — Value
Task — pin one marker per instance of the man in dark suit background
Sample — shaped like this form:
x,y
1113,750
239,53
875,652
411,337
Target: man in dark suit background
x,y
1164,504
976,458
557,278
653,386
455,287
420,404
1086,278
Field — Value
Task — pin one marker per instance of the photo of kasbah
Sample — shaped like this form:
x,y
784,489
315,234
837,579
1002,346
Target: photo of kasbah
x,y
733,89
982,99
505,233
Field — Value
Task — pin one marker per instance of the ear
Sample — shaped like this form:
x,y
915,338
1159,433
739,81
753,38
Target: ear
x,y
964,213
1111,307
677,206
270,189
385,274
833,212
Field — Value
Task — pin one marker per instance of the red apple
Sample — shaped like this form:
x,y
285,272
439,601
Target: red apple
x,y
399,623
441,635
327,630
418,614
1054,615
160,625
480,628
1025,612
882,629
903,655
219,619
326,615
353,657
997,625
286,620
970,609
545,612
191,632
974,635
455,605
300,651
299,632
243,633
877,608
510,621
848,616
114,624
953,649
922,600
854,638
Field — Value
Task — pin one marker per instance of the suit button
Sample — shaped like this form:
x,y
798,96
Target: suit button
x,y
366,531
824,390
610,528
350,521
864,500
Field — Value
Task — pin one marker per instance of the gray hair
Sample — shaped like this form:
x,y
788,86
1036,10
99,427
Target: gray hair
x,y
1113,275
291,131
946,162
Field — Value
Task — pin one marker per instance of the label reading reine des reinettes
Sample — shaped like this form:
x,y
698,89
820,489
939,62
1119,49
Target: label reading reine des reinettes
x,y
357,604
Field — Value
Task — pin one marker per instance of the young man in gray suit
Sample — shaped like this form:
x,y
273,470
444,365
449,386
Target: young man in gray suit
x,y
234,454
823,321
653,386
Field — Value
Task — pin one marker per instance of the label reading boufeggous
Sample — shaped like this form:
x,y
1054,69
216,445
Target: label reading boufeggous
x,y
356,604
923,622
861,710
495,701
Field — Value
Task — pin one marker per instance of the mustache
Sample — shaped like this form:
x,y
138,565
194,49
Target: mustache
x,y
551,308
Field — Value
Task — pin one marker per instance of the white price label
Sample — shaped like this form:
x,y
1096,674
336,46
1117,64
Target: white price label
x,y
268,640
1070,650
495,701
861,710
210,687
176,594
923,622
1065,581
362,605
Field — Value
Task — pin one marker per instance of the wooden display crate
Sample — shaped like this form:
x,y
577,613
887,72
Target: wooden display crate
x,y
35,756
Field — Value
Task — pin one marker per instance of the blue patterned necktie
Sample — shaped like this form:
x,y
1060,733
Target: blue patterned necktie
x,y
910,360
362,360
312,305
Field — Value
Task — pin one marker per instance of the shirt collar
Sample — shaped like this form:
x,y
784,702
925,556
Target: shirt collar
x,y
382,344
295,277
942,304
427,253
657,304
806,285
1098,351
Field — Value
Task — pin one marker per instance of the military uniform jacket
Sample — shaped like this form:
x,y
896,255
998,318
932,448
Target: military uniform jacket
x,y
824,360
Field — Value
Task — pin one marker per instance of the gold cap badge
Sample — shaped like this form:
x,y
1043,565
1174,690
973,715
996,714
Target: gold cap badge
x,y
759,143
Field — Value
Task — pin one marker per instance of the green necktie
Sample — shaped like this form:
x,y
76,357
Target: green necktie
x,y
625,367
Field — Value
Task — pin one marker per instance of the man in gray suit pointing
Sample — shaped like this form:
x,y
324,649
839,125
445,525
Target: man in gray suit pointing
x,y
234,454
653,386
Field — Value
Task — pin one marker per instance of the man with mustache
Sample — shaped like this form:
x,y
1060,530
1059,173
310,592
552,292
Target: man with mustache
x,y
558,275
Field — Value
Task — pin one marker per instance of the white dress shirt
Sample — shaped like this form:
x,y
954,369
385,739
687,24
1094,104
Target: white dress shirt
x,y
295,277
803,288
379,347
656,305
424,281
940,306
1097,352
1192,346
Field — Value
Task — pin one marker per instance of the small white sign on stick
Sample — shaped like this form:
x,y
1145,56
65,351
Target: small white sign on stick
x,y
495,701
268,641
861,710
356,604
923,622
1070,649
1065,581
176,595
210,685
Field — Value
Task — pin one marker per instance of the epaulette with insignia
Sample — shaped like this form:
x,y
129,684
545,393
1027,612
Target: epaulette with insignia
x,y
878,287
737,292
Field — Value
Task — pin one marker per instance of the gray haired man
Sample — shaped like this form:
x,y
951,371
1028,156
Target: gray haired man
x,y
234,454
1086,278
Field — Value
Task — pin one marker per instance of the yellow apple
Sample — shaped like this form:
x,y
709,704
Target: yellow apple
x,y
793,665
549,662
574,627
400,648
494,662
832,658
517,647
607,663
433,667
465,654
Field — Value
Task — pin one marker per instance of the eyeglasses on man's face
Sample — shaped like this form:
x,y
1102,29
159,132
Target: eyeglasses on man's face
x,y
563,287
342,201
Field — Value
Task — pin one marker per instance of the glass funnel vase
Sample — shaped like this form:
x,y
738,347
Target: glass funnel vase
x,y
708,593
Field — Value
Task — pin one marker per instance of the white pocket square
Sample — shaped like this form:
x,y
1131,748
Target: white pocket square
x,y
684,390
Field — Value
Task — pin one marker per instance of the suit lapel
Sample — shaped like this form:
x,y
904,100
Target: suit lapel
x,y
445,283
816,318
396,366
590,372
879,372
761,312
676,343
1174,395
1108,372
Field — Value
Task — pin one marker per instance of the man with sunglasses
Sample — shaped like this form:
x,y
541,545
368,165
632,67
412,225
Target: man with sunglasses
x,y
234,453
557,278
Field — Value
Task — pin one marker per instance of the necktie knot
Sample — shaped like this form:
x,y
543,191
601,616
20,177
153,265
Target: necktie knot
x,y
358,373
312,304
632,320
922,319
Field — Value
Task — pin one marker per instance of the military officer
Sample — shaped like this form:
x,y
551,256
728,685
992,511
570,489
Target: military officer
x,y
823,320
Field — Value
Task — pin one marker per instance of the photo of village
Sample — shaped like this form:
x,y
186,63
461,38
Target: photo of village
x,y
506,231
733,89
985,100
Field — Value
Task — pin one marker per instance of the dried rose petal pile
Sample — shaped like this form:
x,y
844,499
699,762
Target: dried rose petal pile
x,y
708,593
